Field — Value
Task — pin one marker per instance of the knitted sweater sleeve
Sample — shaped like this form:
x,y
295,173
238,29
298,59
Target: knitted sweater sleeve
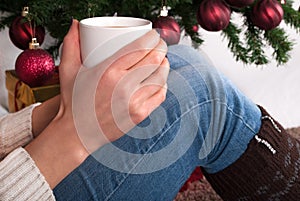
x,y
15,130
21,180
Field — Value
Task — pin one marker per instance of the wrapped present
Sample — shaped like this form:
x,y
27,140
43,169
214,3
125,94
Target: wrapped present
x,y
21,95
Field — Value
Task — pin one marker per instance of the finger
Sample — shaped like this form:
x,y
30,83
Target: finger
x,y
132,53
154,83
154,57
148,65
156,100
160,76
71,47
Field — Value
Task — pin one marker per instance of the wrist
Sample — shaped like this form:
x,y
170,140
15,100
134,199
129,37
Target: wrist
x,y
57,151
43,114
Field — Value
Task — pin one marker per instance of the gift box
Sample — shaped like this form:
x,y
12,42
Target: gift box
x,y
21,95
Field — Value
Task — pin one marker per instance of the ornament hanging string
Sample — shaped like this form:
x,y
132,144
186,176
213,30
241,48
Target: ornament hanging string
x,y
32,25
32,32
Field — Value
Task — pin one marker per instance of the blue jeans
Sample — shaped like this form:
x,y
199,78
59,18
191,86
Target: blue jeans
x,y
204,121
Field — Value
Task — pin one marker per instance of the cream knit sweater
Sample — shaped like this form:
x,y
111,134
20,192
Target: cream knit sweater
x,y
20,179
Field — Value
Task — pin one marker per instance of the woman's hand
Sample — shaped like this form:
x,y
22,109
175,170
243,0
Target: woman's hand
x,y
112,97
121,92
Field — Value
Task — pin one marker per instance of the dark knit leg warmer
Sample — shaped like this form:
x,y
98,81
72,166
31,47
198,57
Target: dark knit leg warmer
x,y
267,171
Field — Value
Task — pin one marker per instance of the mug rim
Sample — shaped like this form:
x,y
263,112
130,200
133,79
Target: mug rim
x,y
133,22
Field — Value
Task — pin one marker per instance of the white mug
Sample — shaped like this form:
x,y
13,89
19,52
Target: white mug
x,y
101,37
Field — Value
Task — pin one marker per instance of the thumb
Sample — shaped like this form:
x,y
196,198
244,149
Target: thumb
x,y
70,59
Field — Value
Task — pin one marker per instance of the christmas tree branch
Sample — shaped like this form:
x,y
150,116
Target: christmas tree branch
x,y
279,41
232,33
187,20
255,45
291,17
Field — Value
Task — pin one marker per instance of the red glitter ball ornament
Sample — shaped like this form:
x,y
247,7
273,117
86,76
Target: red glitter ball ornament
x,y
213,15
267,14
239,3
21,31
34,66
167,27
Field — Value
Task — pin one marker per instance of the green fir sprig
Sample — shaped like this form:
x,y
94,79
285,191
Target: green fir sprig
x,y
255,45
280,43
235,44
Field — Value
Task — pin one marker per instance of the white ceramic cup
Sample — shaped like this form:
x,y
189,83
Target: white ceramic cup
x,y
101,37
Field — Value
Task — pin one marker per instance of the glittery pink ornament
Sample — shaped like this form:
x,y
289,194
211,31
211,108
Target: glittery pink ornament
x,y
34,66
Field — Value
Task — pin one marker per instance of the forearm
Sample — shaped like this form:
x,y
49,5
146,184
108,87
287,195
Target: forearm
x,y
57,150
43,114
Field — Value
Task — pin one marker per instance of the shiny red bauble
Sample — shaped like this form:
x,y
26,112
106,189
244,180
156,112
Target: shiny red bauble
x,y
239,3
34,67
195,28
168,28
213,15
21,31
267,14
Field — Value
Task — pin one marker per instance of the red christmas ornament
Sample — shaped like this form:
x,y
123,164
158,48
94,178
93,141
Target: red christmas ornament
x,y
22,31
239,3
167,27
195,28
267,14
34,66
213,15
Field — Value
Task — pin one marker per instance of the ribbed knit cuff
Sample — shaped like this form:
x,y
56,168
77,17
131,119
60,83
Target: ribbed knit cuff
x,y
20,179
15,130
268,170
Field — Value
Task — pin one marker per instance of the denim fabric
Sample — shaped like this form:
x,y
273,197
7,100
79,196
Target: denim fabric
x,y
205,121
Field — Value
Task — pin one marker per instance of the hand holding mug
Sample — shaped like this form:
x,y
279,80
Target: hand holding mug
x,y
59,149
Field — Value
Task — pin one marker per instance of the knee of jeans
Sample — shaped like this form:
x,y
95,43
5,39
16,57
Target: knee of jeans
x,y
206,82
198,70
181,55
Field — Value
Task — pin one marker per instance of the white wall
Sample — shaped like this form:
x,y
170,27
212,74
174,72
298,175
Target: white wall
x,y
276,88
